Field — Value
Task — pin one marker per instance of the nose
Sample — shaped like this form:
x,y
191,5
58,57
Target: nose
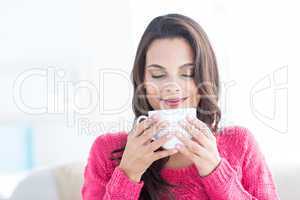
x,y
172,88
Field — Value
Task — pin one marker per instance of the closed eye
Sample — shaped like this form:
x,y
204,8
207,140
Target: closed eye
x,y
184,75
187,75
157,76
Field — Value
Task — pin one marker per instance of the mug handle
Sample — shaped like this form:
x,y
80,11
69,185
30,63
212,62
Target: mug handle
x,y
138,120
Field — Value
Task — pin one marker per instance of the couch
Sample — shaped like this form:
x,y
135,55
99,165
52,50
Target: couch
x,y
64,182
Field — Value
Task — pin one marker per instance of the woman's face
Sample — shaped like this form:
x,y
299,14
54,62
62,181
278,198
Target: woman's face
x,y
169,74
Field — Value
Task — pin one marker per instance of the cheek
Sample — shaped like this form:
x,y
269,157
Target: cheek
x,y
151,88
152,93
192,92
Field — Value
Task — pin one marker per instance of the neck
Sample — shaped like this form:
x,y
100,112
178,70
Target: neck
x,y
178,160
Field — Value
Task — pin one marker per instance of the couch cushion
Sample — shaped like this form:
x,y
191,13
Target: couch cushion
x,y
69,179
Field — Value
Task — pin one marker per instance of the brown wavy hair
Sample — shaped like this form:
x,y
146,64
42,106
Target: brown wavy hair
x,y
206,77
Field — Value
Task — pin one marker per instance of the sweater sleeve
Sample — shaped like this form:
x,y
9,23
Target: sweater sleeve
x,y
257,182
99,184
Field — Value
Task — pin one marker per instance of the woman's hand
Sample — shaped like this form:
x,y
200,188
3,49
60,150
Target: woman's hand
x,y
139,151
202,148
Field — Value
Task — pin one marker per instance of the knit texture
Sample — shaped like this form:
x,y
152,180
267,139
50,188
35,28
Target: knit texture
x,y
241,175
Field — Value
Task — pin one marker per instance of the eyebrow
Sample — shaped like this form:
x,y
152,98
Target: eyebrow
x,y
161,67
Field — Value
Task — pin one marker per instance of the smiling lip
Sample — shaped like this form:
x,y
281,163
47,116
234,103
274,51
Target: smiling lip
x,y
174,101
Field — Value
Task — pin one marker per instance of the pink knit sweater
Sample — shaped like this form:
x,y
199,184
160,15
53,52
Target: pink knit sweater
x,y
241,175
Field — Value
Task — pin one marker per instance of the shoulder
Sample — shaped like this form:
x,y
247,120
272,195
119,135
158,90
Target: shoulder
x,y
237,134
105,144
110,140
236,141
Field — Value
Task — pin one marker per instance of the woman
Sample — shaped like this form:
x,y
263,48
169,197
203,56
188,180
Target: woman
x,y
175,67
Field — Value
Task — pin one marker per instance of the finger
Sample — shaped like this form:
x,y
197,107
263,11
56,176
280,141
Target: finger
x,y
196,134
186,152
149,141
163,153
191,145
145,124
150,132
158,143
201,126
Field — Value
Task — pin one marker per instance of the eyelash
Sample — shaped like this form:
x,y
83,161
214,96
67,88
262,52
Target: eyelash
x,y
160,76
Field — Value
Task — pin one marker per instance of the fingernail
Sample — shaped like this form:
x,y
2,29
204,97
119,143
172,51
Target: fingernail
x,y
178,135
155,117
183,122
165,123
189,117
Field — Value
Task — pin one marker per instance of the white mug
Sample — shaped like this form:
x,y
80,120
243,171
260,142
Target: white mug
x,y
173,116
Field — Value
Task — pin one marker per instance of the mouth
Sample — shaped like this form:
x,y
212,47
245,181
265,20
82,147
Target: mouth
x,y
174,102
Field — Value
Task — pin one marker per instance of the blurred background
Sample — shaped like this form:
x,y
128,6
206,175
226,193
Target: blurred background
x,y
65,77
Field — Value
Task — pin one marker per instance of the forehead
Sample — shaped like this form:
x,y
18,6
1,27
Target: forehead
x,y
170,52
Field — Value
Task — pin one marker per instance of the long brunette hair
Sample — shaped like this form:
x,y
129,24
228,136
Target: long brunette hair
x,y
206,77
